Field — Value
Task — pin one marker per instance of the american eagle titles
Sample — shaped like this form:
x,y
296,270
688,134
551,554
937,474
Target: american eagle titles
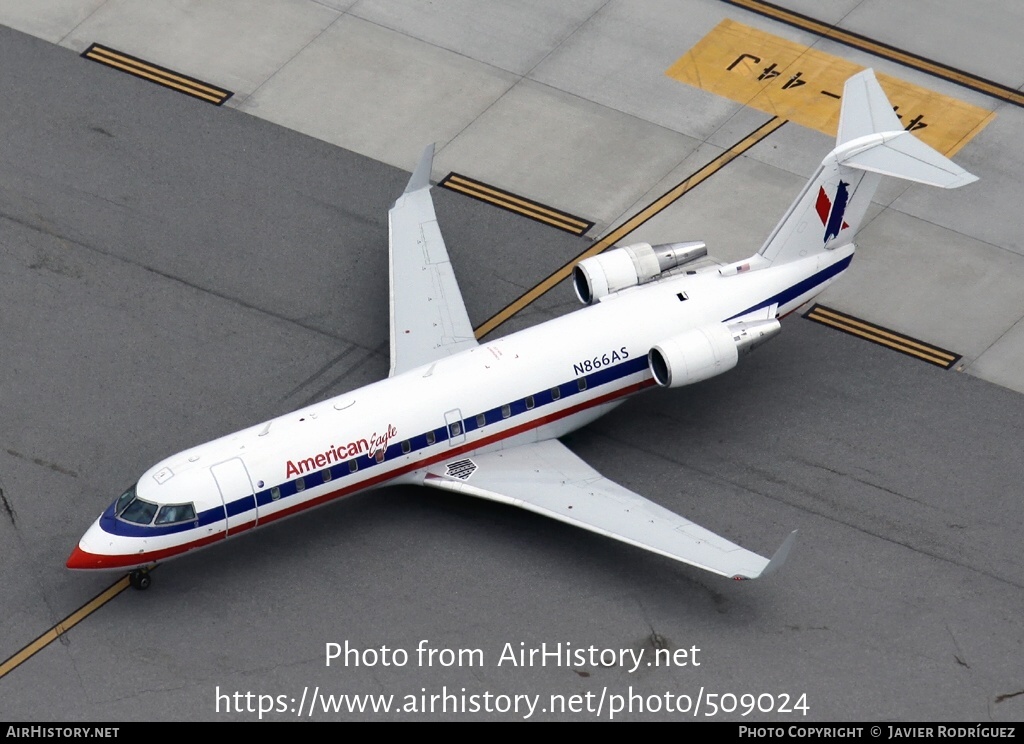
x,y
336,453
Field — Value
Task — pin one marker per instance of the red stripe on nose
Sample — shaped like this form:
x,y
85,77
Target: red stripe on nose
x,y
81,559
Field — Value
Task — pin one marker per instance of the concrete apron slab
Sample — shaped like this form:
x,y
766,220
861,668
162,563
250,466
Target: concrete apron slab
x,y
378,92
565,151
51,20
382,80
223,43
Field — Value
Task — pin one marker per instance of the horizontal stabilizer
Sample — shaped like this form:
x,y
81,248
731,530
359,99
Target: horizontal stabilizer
x,y
870,143
904,156
871,138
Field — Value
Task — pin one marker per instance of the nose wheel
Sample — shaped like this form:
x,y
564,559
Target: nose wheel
x,y
140,579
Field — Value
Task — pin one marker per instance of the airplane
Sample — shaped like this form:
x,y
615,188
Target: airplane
x,y
484,419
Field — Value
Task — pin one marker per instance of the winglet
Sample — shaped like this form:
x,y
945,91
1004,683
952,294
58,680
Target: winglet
x,y
780,555
421,176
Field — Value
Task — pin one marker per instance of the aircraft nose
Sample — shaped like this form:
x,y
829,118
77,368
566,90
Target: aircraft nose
x,y
81,559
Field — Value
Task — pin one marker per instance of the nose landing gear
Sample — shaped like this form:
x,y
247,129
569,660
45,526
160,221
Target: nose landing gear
x,y
140,579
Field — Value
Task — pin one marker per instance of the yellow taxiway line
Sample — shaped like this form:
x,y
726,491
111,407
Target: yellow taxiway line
x,y
63,626
632,224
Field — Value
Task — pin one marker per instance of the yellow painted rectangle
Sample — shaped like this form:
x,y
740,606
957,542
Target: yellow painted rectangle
x,y
804,85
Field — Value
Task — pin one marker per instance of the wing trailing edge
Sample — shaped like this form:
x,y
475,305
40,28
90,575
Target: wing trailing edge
x,y
548,479
428,317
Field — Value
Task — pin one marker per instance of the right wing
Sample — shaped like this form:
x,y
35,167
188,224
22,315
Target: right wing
x,y
428,318
546,478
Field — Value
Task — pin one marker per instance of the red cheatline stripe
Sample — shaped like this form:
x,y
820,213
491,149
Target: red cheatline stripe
x,y
154,556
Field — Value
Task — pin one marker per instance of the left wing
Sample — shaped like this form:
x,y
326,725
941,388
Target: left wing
x,y
546,478
428,317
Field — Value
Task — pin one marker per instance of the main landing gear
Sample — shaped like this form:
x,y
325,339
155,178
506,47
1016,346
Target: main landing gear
x,y
140,579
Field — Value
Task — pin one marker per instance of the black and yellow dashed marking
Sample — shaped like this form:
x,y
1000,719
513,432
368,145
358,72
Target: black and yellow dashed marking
x,y
966,79
518,204
156,74
883,336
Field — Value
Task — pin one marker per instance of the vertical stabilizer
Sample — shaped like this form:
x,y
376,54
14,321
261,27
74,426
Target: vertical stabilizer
x,y
870,143
865,109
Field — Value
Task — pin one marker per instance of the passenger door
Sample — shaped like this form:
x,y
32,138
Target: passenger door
x,y
236,493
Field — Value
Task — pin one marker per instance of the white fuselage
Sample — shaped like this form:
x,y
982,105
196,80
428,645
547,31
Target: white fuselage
x,y
536,384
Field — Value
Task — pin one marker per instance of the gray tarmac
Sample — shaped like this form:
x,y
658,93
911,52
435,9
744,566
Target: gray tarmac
x,y
172,272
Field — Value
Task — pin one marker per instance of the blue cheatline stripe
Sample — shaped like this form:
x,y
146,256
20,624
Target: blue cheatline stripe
x,y
542,398
338,471
109,523
800,288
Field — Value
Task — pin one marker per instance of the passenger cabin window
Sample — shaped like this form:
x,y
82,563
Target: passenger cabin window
x,y
481,419
529,402
379,456
275,493
430,437
326,474
506,411
556,393
455,428
139,512
582,383
300,484
174,513
353,466
406,447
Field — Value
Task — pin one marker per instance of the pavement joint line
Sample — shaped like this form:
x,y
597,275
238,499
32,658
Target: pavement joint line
x,y
631,224
62,627
154,73
879,49
882,336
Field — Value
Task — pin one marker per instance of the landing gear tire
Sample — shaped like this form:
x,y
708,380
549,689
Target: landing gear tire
x,y
140,579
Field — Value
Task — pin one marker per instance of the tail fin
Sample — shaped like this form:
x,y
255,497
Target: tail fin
x,y
871,143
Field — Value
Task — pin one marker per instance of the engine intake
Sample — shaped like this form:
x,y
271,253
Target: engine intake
x,y
705,352
599,276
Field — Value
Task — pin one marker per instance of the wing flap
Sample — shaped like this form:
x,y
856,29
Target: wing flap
x,y
548,479
428,317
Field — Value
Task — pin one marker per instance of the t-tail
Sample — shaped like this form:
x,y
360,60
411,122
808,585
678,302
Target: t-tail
x,y
871,143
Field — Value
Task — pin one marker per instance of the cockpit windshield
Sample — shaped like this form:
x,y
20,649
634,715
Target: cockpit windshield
x,y
131,508
173,513
123,500
139,511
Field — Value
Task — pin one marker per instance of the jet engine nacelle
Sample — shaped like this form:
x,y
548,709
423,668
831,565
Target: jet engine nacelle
x,y
619,268
705,352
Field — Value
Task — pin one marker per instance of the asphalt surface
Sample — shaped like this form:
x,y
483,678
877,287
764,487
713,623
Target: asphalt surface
x,y
172,272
